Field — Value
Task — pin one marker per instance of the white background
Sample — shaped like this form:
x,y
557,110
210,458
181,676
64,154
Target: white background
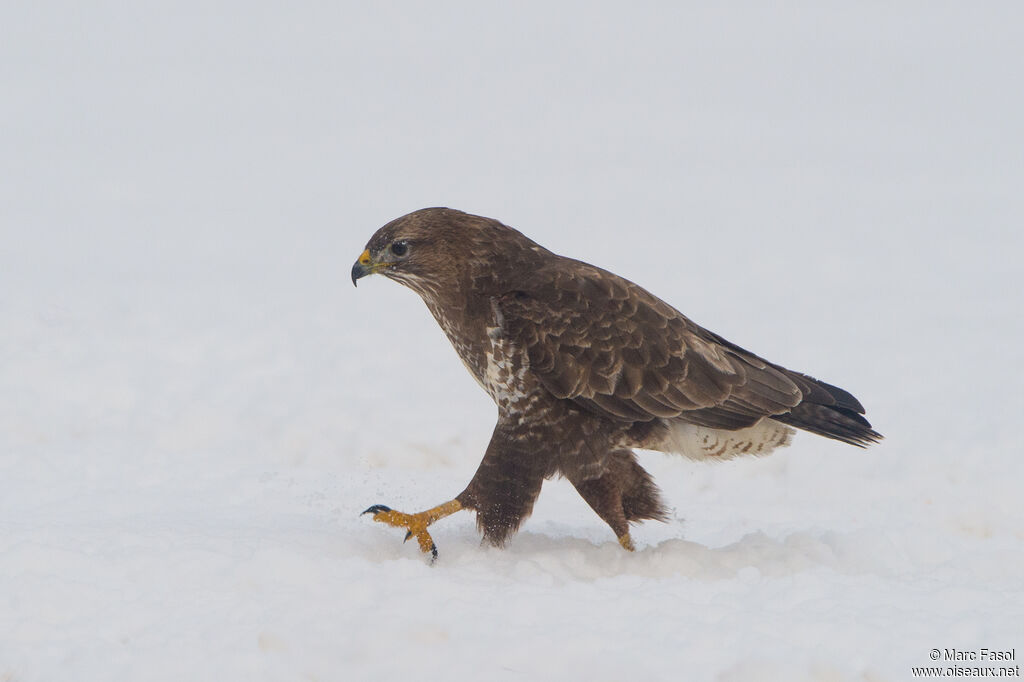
x,y
195,404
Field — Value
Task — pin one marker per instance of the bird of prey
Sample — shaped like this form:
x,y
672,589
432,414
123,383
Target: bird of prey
x,y
585,366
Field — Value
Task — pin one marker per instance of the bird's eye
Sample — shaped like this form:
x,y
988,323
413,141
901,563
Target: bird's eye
x,y
399,248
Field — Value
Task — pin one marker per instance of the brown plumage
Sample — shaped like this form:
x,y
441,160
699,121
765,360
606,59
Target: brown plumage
x,y
584,366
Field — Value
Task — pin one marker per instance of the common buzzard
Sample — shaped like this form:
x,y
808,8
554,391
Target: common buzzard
x,y
585,366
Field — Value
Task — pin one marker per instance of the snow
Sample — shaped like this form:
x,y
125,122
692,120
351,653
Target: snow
x,y
195,404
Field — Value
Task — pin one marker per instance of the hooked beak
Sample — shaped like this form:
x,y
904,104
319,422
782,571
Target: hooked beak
x,y
363,267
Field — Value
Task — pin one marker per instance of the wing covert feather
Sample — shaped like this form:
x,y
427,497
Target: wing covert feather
x,y
615,349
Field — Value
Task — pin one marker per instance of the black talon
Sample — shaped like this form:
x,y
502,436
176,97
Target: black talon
x,y
376,509
408,534
433,552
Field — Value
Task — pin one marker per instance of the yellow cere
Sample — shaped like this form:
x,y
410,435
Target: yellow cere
x,y
364,257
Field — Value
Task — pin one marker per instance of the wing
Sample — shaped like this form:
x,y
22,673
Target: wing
x,y
617,350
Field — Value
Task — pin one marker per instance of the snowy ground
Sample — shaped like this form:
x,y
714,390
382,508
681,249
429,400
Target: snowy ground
x,y
195,404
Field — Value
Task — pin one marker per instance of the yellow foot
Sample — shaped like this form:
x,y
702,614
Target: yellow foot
x,y
626,542
415,525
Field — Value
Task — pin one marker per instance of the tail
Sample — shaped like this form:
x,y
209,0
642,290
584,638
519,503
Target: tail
x,y
829,411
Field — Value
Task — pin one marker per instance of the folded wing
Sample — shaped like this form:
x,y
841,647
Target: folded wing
x,y
615,349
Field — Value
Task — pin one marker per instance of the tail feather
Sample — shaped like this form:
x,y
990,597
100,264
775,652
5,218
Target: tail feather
x,y
829,411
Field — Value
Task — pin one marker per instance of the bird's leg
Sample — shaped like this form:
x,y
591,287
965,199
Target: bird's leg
x,y
623,494
416,524
604,497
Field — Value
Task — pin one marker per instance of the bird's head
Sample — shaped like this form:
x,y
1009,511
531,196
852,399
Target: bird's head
x,y
434,250
415,250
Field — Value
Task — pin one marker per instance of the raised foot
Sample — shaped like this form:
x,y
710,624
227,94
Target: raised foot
x,y
415,526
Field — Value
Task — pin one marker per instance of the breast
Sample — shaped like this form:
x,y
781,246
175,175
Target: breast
x,y
505,369
500,368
